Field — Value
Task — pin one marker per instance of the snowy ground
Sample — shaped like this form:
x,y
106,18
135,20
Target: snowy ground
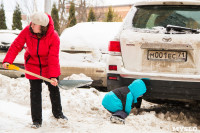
x,y
85,113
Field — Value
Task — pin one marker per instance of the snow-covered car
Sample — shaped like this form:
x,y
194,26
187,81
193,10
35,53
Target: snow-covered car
x,y
85,48
6,38
159,41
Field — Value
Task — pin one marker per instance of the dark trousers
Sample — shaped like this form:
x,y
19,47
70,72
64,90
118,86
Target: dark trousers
x,y
36,100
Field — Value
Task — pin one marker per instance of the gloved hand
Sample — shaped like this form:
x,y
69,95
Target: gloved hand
x,y
5,65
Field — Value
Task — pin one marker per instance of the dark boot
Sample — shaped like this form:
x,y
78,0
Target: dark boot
x,y
36,125
118,117
62,117
117,120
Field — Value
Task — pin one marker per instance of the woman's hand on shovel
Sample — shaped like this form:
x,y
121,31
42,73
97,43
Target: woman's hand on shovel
x,y
55,83
5,65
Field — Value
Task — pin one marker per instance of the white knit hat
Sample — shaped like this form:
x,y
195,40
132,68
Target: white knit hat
x,y
40,18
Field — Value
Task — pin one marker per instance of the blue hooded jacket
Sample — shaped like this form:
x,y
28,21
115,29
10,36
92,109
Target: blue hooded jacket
x,y
137,88
113,103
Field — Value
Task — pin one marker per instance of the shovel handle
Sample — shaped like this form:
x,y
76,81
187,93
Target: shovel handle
x,y
13,67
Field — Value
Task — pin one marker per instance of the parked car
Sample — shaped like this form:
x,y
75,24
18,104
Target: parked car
x,y
6,38
85,48
159,42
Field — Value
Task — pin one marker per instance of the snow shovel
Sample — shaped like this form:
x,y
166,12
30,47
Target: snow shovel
x,y
64,84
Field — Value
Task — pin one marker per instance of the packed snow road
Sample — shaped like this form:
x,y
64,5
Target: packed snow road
x,y
86,114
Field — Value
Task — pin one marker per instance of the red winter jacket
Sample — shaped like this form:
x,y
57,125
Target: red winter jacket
x,y
41,56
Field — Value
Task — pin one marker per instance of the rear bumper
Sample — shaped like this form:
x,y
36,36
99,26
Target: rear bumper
x,y
161,89
12,73
160,76
5,48
98,74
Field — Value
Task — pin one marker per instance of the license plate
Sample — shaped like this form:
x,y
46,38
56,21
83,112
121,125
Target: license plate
x,y
167,55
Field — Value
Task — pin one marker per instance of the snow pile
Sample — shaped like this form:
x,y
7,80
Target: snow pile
x,y
84,111
80,76
165,118
181,116
14,90
74,102
82,102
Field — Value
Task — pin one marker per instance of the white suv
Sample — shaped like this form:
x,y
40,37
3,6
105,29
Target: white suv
x,y
160,41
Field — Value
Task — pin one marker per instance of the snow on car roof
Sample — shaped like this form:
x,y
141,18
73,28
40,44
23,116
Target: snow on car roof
x,y
166,2
8,36
89,35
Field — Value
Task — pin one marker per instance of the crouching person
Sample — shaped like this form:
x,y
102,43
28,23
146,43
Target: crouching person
x,y
120,101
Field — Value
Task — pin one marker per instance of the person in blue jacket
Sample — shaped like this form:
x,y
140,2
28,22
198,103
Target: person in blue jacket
x,y
120,101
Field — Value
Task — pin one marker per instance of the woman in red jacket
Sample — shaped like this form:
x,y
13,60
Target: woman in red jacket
x,y
41,57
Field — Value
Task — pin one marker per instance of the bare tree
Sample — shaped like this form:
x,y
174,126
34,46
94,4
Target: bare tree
x,y
99,9
63,14
83,8
63,9
100,12
81,11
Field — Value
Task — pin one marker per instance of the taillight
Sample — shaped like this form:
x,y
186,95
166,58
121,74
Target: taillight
x,y
113,67
114,46
112,78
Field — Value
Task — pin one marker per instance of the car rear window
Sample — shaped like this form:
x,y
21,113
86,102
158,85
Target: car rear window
x,y
153,16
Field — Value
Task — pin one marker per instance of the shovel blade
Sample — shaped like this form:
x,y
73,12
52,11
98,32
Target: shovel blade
x,y
71,84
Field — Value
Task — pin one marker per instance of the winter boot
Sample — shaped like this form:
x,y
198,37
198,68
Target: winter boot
x,y
62,119
115,119
36,125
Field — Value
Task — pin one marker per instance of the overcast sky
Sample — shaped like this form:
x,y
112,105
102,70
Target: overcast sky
x,y
9,5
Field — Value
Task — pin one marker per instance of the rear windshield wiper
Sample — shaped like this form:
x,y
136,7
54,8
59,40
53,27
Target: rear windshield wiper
x,y
181,29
